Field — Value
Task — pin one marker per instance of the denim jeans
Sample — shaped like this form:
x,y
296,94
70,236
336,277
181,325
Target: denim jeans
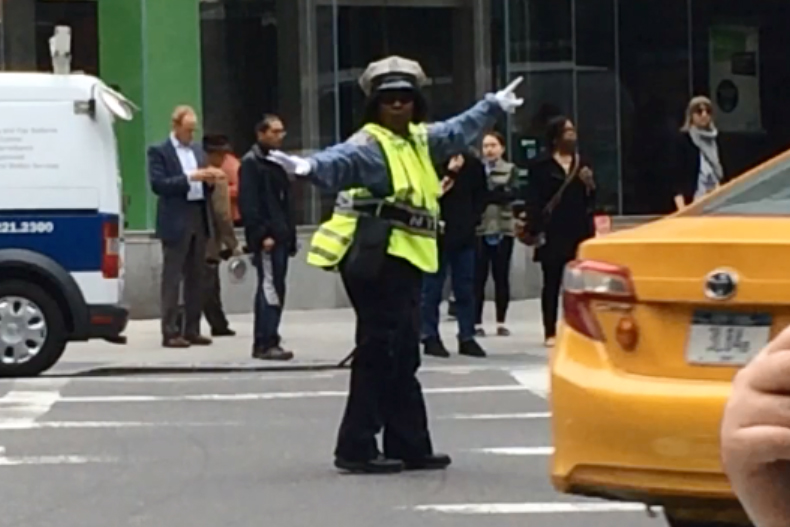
x,y
461,263
272,268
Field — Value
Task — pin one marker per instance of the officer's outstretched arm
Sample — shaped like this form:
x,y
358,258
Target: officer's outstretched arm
x,y
455,135
451,137
359,162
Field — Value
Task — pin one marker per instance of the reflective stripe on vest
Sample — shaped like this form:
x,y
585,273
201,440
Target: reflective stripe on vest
x,y
413,208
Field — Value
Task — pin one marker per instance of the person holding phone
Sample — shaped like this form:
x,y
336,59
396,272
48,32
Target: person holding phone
x,y
182,180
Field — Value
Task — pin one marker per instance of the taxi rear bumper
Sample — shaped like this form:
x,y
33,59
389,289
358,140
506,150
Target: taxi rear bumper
x,y
627,437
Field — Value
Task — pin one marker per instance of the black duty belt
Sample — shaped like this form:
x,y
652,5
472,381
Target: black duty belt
x,y
412,220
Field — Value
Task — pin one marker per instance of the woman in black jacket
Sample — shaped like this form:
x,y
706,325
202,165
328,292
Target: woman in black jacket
x,y
697,166
559,200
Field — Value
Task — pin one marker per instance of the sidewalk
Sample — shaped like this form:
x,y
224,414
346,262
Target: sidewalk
x,y
320,339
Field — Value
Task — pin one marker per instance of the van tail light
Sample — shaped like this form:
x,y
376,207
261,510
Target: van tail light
x,y
588,281
110,262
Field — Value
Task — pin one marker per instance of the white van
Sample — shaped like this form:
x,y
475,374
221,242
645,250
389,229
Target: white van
x,y
61,219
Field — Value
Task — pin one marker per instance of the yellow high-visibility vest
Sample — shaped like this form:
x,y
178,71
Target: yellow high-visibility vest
x,y
415,199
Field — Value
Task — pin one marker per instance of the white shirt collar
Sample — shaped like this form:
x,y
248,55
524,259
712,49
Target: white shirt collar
x,y
176,143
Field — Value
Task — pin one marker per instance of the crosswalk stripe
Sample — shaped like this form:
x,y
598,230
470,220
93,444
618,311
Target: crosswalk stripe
x,y
495,417
453,390
531,508
517,451
38,425
51,460
30,399
535,380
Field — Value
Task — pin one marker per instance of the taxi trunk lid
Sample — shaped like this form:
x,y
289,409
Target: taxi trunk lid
x,y
710,292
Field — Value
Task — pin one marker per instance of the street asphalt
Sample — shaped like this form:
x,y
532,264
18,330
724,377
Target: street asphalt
x,y
251,449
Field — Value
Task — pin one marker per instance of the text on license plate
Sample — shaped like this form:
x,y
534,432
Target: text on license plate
x,y
726,338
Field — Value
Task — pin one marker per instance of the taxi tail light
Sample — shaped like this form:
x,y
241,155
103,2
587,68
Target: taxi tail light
x,y
588,281
111,258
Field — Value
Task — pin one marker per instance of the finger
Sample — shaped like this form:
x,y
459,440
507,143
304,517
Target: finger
x,y
758,445
771,374
778,343
764,409
515,84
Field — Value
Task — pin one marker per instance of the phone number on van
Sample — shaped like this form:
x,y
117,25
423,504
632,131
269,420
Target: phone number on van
x,y
26,227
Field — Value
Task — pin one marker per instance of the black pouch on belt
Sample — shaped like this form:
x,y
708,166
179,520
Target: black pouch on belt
x,y
365,258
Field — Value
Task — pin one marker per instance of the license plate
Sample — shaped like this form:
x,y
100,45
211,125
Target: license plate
x,y
726,338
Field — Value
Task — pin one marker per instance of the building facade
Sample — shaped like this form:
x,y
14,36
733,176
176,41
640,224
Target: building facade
x,y
623,70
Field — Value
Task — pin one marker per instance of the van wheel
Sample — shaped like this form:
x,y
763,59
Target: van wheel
x,y
33,332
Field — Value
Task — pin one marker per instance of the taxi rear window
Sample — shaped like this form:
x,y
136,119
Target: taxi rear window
x,y
764,194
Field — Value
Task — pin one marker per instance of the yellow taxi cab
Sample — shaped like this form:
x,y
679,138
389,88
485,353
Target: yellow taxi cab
x,y
656,321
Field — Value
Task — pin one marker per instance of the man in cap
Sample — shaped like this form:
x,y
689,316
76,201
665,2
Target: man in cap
x,y
223,244
382,238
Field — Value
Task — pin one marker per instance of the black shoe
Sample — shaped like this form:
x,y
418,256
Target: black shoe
x,y
471,348
432,462
480,332
226,332
274,353
435,348
380,465
452,310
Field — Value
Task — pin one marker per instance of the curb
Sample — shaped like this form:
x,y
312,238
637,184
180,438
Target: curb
x,y
184,369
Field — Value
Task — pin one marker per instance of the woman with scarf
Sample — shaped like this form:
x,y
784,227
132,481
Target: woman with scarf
x,y
697,167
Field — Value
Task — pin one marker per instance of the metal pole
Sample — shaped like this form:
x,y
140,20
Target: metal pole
x,y
336,68
508,120
2,37
618,107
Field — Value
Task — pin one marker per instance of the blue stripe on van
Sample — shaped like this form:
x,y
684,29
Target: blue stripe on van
x,y
71,238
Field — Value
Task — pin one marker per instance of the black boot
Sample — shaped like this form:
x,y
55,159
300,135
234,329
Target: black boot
x,y
432,462
435,348
471,348
379,465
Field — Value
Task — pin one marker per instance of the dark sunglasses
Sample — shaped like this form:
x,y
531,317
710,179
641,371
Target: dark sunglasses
x,y
391,97
704,109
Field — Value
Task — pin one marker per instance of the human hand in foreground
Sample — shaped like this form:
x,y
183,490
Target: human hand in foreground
x,y
755,435
292,164
507,98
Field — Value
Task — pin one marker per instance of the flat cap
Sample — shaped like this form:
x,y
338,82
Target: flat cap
x,y
216,143
392,73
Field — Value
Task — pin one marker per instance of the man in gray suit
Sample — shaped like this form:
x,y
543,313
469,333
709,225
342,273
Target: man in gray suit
x,y
183,182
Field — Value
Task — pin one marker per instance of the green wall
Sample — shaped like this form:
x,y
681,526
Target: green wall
x,y
151,50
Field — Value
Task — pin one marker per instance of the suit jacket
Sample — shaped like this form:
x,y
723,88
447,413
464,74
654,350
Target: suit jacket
x,y
171,186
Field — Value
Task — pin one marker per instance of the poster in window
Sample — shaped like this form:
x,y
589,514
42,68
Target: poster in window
x,y
735,78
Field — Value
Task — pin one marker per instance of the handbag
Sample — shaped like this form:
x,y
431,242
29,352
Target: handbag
x,y
522,231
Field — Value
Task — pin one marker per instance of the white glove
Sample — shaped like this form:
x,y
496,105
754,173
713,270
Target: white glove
x,y
292,164
507,99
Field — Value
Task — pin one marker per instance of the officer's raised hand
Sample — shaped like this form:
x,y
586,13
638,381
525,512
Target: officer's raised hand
x,y
755,435
507,97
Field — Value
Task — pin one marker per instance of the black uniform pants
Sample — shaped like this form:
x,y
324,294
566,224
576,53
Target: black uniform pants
x,y
384,390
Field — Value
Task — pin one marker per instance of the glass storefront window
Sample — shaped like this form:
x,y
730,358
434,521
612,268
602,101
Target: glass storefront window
x,y
622,70
27,25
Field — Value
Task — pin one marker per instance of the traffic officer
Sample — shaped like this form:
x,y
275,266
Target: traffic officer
x,y
382,237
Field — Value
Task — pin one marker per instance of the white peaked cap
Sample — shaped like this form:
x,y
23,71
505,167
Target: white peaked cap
x,y
392,73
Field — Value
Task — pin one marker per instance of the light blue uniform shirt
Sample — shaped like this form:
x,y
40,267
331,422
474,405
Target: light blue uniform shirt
x,y
360,162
